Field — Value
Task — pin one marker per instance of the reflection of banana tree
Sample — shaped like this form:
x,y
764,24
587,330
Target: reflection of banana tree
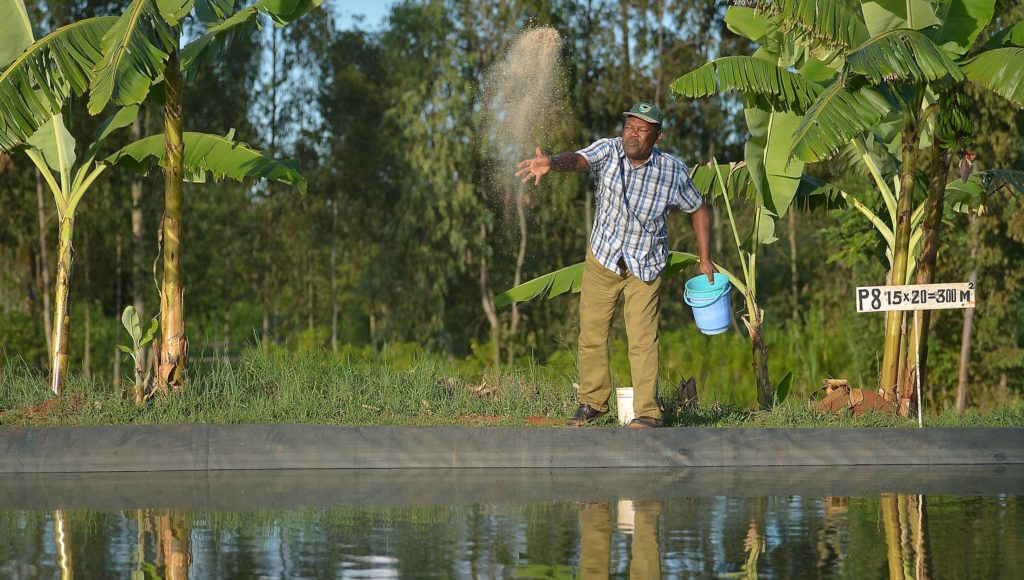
x,y
905,523
174,545
62,537
753,545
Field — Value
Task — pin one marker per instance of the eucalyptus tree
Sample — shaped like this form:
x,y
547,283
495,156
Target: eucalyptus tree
x,y
143,49
888,65
434,225
37,84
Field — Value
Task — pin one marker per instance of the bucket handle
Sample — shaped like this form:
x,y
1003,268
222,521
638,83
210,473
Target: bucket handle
x,y
725,288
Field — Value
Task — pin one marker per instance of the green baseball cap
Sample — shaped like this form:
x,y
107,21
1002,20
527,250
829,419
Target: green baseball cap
x,y
646,111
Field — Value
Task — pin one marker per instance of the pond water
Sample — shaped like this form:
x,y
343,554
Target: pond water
x,y
384,525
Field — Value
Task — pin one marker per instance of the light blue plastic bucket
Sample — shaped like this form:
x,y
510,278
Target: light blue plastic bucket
x,y
710,302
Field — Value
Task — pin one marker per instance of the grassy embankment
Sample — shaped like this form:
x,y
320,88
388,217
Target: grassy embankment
x,y
282,386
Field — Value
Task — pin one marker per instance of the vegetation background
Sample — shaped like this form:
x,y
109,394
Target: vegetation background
x,y
394,254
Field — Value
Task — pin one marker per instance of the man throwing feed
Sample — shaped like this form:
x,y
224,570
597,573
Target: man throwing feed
x,y
637,185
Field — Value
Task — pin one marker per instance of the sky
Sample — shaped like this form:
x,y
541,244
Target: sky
x,y
372,10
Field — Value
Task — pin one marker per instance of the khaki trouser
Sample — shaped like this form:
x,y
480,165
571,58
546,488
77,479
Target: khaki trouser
x,y
600,291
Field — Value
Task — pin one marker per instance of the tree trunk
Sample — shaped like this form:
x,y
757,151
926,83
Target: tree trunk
x,y
659,80
487,296
310,296
760,353
87,350
334,276
938,172
118,298
793,281
904,208
373,327
627,68
138,244
267,266
138,249
518,276
268,222
44,261
174,344
62,316
965,336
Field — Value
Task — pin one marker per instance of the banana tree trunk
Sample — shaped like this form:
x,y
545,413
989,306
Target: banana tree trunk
x,y
904,209
938,172
759,350
174,344
61,315
44,260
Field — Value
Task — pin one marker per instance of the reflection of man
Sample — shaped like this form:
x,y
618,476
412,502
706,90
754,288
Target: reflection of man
x,y
637,185
596,540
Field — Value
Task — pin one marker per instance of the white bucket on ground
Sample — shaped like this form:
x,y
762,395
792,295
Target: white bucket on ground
x,y
624,404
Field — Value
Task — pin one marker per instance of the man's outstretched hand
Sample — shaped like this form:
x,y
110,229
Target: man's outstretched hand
x,y
535,167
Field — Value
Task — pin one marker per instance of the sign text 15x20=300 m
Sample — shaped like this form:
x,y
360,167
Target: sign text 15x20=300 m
x,y
915,297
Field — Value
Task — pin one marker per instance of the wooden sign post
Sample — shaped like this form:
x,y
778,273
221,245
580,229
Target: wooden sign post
x,y
916,297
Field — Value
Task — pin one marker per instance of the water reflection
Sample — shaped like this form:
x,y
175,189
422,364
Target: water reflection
x,y
638,519
60,526
906,536
885,535
173,553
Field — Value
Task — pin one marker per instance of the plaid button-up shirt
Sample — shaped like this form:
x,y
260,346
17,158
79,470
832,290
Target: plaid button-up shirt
x,y
632,205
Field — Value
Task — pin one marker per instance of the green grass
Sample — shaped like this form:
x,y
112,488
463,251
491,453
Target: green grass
x,y
284,386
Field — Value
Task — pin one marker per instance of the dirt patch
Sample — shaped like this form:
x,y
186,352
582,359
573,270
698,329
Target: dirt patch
x,y
533,421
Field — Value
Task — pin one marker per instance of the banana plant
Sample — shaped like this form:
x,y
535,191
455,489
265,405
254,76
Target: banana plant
x,y
886,66
36,83
37,80
141,49
137,351
776,81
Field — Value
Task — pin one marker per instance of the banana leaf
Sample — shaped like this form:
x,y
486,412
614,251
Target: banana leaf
x,y
214,155
570,279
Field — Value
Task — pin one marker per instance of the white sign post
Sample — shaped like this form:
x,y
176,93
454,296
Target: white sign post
x,y
915,297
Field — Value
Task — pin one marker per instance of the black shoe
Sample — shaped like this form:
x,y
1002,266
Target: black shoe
x,y
646,423
584,414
